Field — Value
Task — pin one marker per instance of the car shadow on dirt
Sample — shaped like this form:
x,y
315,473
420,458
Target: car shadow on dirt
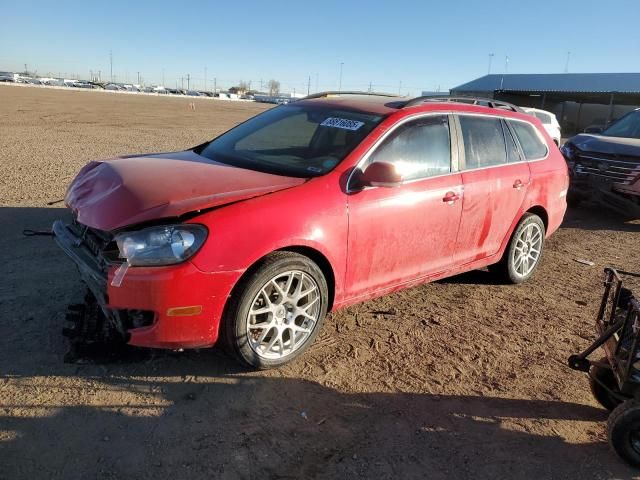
x,y
244,426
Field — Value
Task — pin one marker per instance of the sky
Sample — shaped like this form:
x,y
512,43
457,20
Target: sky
x,y
402,46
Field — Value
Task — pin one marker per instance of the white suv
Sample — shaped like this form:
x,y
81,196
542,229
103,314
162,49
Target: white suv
x,y
549,121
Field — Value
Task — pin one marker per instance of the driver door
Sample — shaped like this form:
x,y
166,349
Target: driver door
x,y
406,232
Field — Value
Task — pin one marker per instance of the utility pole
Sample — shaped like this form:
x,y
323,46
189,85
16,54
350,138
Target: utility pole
x,y
370,87
205,79
188,82
138,78
182,83
215,86
340,82
309,86
111,65
506,64
566,65
490,60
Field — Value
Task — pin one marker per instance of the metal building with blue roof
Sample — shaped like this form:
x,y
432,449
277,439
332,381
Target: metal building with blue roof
x,y
576,98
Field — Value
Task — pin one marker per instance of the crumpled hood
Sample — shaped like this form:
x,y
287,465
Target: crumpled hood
x,y
626,147
112,194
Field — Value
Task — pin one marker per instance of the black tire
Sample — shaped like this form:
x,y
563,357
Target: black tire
x,y
600,393
623,426
235,319
505,269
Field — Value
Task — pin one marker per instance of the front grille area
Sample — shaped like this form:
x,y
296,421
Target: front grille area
x,y
622,170
101,244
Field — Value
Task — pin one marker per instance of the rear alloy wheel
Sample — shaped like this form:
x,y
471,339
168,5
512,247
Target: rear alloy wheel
x,y
524,251
278,311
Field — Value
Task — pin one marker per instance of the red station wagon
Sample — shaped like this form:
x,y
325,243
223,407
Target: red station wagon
x,y
306,208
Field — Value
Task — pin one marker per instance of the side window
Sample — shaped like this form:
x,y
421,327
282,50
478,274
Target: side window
x,y
483,141
419,148
531,143
513,154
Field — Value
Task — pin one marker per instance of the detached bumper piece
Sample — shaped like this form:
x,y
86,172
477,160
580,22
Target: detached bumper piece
x,y
91,334
95,331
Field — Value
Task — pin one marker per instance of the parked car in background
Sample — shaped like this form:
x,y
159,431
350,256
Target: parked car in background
x,y
7,77
596,126
308,207
549,122
606,166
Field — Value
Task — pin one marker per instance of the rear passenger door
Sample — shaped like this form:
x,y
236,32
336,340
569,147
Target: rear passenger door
x,y
495,179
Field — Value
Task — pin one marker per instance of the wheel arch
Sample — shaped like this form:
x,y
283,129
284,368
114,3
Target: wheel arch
x,y
313,254
541,212
323,263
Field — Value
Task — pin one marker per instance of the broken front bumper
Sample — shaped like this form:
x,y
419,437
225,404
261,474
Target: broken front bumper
x,y
153,296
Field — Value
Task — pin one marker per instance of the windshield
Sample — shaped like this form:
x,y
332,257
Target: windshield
x,y
300,141
627,127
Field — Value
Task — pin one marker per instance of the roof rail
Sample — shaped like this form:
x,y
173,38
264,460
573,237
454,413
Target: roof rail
x,y
485,102
343,92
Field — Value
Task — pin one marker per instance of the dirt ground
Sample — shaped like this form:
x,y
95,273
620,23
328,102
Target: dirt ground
x,y
462,378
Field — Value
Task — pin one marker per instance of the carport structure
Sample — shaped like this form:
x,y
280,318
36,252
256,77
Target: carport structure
x,y
557,91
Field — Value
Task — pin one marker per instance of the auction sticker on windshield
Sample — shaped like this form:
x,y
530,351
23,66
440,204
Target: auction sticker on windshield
x,y
342,123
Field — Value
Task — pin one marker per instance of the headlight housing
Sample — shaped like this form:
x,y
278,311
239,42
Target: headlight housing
x,y
161,245
568,150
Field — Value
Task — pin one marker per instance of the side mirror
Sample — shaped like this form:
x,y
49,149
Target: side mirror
x,y
381,174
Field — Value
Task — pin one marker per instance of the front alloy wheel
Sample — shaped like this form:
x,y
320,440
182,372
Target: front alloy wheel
x,y
276,311
283,314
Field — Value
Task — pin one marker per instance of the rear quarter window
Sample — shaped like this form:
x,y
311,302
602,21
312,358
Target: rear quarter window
x,y
532,145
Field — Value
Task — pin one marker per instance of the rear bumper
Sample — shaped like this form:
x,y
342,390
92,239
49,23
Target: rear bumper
x,y
157,290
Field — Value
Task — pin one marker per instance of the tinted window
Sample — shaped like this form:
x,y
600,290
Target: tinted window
x,y
483,142
419,148
530,141
628,126
543,117
513,154
292,140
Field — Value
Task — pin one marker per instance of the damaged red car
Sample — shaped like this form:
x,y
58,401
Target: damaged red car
x,y
253,237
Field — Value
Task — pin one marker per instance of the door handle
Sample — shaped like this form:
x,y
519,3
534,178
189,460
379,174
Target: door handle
x,y
450,198
518,184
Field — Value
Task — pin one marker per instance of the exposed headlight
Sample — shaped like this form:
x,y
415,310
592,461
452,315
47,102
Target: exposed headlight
x,y
163,245
568,150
